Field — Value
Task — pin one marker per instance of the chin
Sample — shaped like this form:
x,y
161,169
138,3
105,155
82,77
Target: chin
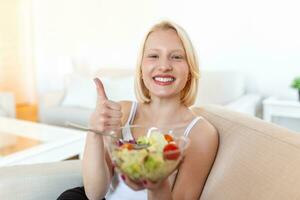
x,y
164,94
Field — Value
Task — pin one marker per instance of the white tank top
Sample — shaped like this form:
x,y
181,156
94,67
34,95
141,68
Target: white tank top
x,y
122,191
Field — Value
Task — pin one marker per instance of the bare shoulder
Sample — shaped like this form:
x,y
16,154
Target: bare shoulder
x,y
198,160
205,126
204,136
125,108
125,104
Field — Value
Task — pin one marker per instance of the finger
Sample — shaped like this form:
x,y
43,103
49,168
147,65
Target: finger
x,y
114,122
112,129
109,104
114,114
151,185
133,185
100,90
107,123
113,105
108,112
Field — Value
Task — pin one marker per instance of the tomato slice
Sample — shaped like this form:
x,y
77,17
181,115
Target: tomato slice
x,y
128,146
168,138
171,151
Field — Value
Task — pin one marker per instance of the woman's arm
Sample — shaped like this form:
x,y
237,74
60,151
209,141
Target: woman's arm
x,y
198,161
97,166
97,169
192,174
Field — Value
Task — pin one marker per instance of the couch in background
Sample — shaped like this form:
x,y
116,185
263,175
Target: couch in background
x,y
76,102
7,104
255,160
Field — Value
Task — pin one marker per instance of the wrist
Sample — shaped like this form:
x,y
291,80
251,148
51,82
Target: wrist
x,y
94,140
94,136
161,192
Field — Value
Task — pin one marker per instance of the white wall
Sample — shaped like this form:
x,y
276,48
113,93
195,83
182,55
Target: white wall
x,y
16,62
258,37
91,32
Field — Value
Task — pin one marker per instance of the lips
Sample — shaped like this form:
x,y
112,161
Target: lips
x,y
164,79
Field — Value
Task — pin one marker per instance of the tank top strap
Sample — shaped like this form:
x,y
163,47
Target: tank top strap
x,y
191,125
132,113
126,133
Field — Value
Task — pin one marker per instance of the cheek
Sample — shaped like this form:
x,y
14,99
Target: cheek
x,y
148,64
147,68
184,71
146,74
184,74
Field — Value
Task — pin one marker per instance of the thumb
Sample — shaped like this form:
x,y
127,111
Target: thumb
x,y
100,90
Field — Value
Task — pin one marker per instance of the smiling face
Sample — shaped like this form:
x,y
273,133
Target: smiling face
x,y
164,65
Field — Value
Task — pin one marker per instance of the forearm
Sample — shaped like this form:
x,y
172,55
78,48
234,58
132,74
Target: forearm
x,y
162,192
96,173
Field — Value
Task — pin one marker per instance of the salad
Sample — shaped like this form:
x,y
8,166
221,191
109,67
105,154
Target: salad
x,y
155,162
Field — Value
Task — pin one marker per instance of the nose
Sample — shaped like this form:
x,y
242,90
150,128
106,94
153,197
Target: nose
x,y
165,64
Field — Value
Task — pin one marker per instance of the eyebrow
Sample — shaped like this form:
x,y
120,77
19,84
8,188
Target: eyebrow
x,y
175,50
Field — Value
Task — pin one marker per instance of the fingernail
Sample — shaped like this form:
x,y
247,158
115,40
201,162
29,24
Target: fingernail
x,y
96,81
123,177
144,182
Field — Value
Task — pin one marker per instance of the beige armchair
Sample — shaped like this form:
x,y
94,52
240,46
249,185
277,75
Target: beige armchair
x,y
256,160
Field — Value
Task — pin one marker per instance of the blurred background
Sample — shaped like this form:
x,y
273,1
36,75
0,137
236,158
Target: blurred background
x,y
41,41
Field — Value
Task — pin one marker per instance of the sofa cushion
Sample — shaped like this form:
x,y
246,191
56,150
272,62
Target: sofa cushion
x,y
59,115
118,89
219,87
81,91
39,181
255,159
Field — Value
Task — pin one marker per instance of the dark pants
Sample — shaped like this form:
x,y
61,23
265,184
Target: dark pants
x,y
74,194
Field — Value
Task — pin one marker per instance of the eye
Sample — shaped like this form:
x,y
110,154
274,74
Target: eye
x,y
152,56
177,57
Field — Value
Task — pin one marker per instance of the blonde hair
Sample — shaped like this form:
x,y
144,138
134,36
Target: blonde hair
x,y
189,92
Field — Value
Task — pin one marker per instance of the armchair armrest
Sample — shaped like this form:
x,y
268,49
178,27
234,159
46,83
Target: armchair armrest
x,y
39,181
248,103
7,104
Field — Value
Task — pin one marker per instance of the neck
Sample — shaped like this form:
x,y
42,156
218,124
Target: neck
x,y
162,112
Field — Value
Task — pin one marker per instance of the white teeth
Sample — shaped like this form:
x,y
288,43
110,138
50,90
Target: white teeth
x,y
161,79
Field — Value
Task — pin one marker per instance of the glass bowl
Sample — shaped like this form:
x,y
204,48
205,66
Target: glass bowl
x,y
153,156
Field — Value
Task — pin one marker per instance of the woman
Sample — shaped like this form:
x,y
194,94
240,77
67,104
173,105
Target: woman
x,y
166,83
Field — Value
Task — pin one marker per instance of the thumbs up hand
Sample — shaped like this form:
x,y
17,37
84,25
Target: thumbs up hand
x,y
107,115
